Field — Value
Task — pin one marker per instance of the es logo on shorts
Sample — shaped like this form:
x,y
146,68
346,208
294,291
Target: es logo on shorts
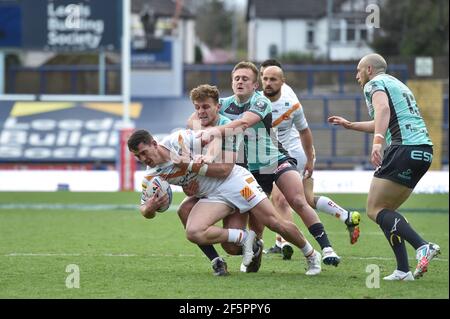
x,y
421,156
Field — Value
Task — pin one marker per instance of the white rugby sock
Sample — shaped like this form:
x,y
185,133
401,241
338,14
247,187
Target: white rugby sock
x,y
236,236
307,250
326,205
279,240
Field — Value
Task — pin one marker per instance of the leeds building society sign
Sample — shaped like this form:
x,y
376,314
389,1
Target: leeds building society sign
x,y
65,25
73,25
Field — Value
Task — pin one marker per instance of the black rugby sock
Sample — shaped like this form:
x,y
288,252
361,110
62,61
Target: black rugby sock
x,y
209,251
394,223
398,246
319,234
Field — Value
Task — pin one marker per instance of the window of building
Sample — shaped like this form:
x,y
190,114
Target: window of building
x,y
335,35
363,35
335,32
310,33
356,30
351,30
351,34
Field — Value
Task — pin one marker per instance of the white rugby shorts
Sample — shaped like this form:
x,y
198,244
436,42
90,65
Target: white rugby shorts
x,y
240,190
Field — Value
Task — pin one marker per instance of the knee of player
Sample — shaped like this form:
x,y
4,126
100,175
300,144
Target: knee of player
x,y
373,212
373,208
312,201
299,203
274,223
280,202
194,234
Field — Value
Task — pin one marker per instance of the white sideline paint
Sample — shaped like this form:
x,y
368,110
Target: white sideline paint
x,y
48,181
108,181
77,207
177,256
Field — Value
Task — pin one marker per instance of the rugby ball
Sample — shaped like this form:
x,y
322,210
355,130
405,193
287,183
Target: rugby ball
x,y
156,183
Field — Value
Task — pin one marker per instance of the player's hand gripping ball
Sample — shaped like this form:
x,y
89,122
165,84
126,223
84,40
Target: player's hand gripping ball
x,y
152,187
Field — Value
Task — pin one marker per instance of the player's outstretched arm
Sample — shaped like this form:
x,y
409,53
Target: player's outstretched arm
x,y
247,120
219,170
238,126
367,126
216,170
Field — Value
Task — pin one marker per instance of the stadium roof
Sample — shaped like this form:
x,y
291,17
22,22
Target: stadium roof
x,y
163,8
289,9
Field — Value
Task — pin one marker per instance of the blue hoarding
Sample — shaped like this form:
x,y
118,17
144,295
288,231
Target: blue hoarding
x,y
10,26
61,132
61,25
153,59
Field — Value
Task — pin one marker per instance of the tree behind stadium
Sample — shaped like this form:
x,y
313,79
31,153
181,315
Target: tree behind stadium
x,y
413,27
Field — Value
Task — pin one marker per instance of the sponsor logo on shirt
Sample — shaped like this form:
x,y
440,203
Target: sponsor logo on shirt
x,y
260,106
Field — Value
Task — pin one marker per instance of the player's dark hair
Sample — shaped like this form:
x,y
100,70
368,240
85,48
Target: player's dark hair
x,y
138,137
271,62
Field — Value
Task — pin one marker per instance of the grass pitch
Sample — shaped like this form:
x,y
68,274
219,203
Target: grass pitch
x,y
122,255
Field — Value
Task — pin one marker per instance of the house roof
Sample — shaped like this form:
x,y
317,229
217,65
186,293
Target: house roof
x,y
162,8
289,9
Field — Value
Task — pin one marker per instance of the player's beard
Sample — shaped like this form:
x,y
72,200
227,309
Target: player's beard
x,y
271,93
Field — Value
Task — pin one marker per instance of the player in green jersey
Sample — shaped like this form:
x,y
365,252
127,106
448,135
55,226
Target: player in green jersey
x,y
396,121
251,115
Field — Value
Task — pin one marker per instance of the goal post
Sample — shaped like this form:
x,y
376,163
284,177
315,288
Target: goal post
x,y
126,161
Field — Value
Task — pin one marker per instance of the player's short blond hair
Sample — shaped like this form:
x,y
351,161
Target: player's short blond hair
x,y
246,65
205,91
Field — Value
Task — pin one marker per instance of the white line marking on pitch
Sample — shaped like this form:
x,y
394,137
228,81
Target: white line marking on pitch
x,y
386,258
172,255
94,255
39,255
376,233
77,207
